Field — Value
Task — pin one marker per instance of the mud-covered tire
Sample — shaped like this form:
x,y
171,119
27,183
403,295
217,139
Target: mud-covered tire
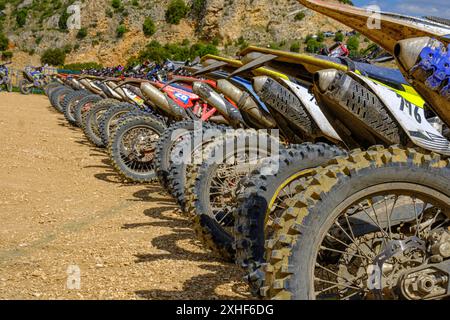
x,y
9,86
260,191
50,86
116,147
134,113
165,145
83,105
23,87
113,114
53,89
69,104
210,231
58,98
362,107
53,93
291,253
284,103
91,121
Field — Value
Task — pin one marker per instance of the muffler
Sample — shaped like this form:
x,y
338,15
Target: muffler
x,y
222,105
86,84
114,94
162,101
96,89
245,103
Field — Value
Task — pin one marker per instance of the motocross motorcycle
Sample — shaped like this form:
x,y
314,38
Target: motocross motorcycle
x,y
5,79
32,78
375,224
293,107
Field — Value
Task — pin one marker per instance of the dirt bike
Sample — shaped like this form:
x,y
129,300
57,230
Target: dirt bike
x,y
5,78
299,120
374,225
253,114
170,102
32,78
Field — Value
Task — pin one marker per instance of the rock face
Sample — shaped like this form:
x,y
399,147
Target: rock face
x,y
258,22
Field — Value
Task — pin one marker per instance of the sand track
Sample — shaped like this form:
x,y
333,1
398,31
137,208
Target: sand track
x,y
62,205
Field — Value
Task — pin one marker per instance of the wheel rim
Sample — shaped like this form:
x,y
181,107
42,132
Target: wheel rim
x,y
137,148
95,123
71,108
277,205
354,257
223,185
113,122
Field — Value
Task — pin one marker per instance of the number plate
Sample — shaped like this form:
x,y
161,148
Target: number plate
x,y
411,118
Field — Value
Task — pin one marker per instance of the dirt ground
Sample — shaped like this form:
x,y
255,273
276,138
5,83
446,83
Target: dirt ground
x,y
64,212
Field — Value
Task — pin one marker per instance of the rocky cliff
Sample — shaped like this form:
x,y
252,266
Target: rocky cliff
x,y
228,23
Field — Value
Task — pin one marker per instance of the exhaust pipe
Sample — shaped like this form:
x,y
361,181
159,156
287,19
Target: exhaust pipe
x,y
332,84
324,79
97,90
217,101
245,103
111,86
161,100
120,92
86,84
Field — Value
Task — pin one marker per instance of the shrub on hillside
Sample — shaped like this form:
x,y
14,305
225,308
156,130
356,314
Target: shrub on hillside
x,y
353,43
149,27
295,47
197,7
339,37
53,57
120,31
176,11
3,42
62,22
21,17
313,46
308,37
82,66
154,51
82,33
299,16
200,49
116,4
320,37
7,55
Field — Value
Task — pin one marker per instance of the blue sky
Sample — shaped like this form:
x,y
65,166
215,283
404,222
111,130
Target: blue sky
x,y
440,8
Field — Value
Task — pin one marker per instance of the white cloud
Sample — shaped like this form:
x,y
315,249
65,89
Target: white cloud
x,y
440,8
424,8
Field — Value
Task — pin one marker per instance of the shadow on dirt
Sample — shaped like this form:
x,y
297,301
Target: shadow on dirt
x,y
147,195
217,272
53,110
63,123
202,286
179,245
109,174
